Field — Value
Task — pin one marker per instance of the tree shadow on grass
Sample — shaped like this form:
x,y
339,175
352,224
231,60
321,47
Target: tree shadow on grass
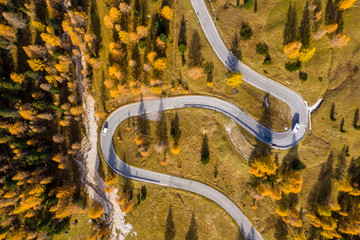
x,y
262,148
192,231
170,226
321,191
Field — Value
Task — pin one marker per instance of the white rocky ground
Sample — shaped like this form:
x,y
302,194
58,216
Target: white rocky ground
x,y
95,185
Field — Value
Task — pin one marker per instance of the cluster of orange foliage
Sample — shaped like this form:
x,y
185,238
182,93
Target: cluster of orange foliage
x,y
263,166
167,12
345,4
42,115
96,210
292,50
286,182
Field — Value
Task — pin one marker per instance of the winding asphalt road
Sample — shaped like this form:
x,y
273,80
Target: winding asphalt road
x,y
283,140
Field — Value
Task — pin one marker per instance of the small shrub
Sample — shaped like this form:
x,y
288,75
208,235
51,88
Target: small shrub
x,y
41,105
245,32
248,4
164,38
293,66
143,193
297,165
303,76
205,160
142,44
262,49
209,67
320,79
55,90
267,60
182,48
57,108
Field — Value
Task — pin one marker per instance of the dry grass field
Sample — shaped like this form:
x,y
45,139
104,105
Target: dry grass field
x,y
149,218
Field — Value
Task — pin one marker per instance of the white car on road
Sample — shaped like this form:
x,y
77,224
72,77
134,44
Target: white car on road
x,y
105,128
296,128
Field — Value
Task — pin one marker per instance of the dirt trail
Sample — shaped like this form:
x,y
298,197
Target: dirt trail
x,y
238,140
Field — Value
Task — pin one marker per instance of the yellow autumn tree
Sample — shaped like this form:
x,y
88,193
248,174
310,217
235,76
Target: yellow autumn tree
x,y
21,176
160,44
51,39
133,37
263,166
77,110
115,93
4,2
66,209
328,224
151,56
7,32
355,192
18,78
331,28
27,112
18,128
124,8
141,32
109,83
116,51
124,36
160,64
292,50
107,22
96,210
27,203
115,15
36,65
59,157
292,182
38,25
345,4
235,79
46,180
62,67
323,210
175,149
10,194
344,186
167,12
115,72
306,54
